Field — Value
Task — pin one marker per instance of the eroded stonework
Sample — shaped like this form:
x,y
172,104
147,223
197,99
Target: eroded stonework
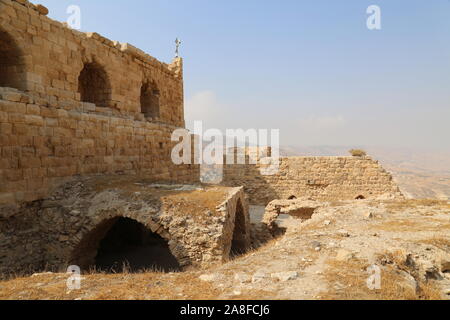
x,y
74,103
85,136
202,225
318,178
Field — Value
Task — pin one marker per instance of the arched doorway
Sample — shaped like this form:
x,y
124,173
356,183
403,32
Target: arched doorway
x,y
239,243
150,100
360,197
94,85
292,197
12,65
125,244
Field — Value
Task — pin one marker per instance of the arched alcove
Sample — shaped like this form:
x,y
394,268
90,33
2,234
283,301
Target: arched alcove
x,y
94,85
12,65
360,197
123,243
239,243
150,100
292,197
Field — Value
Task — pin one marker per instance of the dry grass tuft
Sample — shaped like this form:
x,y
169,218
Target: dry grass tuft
x,y
145,286
415,203
347,281
441,243
412,225
358,153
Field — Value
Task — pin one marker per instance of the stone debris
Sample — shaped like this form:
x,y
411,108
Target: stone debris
x,y
209,277
242,278
344,255
259,276
285,276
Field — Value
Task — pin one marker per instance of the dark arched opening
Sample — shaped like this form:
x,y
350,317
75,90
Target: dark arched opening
x,y
360,197
123,244
94,85
12,65
292,198
239,242
150,100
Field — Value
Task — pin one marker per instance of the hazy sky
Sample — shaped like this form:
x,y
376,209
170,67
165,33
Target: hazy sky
x,y
309,68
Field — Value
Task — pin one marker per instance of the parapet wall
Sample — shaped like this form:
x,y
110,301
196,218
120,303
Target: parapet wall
x,y
74,103
46,58
318,178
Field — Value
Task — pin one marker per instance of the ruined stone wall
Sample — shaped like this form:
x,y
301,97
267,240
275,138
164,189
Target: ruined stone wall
x,y
319,178
80,104
66,228
51,58
41,146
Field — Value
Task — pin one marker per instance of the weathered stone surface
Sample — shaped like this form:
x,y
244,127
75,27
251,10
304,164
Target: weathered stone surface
x,y
56,123
285,276
317,178
344,255
445,265
259,276
202,226
298,209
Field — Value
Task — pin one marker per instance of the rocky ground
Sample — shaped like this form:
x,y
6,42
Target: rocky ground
x,y
330,256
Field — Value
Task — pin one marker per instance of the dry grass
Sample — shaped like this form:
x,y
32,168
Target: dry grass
x,y
415,203
412,225
351,277
397,260
196,202
148,286
441,243
144,286
358,153
123,285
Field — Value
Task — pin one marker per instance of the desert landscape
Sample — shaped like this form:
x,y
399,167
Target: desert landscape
x,y
324,257
105,195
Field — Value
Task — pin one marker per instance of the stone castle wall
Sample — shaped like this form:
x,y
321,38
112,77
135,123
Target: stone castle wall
x,y
47,59
319,178
75,103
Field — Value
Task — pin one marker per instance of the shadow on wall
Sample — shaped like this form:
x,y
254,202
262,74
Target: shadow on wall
x,y
150,96
94,85
130,245
12,64
123,244
259,191
239,243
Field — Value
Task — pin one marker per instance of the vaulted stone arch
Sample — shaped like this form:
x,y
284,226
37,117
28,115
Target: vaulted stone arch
x,y
87,217
94,84
12,64
150,99
121,241
85,252
239,242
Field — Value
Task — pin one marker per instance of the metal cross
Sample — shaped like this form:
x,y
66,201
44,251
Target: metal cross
x,y
177,50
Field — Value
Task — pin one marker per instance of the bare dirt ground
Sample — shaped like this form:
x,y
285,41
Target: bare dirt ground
x,y
326,257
